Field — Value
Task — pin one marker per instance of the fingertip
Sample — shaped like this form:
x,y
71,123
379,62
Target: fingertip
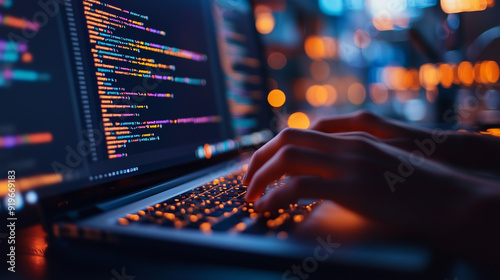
x,y
263,204
248,198
259,205
245,179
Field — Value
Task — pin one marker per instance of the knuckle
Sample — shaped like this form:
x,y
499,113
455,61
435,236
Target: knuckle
x,y
366,116
256,155
258,177
319,124
366,136
258,174
361,143
287,134
288,152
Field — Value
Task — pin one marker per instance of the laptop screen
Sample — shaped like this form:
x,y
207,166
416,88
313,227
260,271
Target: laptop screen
x,y
241,64
98,91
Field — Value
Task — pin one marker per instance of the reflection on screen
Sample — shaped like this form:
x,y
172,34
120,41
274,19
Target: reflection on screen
x,y
33,101
241,63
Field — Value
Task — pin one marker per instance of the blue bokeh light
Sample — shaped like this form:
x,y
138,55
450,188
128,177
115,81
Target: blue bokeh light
x,y
331,7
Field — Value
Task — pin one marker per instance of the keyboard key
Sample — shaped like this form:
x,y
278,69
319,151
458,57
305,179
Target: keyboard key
x,y
219,206
229,222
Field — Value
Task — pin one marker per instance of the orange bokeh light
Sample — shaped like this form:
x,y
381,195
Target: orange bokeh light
x,y
317,95
277,60
208,151
459,6
314,47
27,183
356,94
276,98
429,76
320,70
299,120
466,73
446,75
413,79
317,47
379,93
382,21
27,57
492,131
400,78
330,47
489,72
332,95
264,19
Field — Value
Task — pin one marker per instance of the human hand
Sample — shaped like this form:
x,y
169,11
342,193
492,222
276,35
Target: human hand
x,y
460,150
350,167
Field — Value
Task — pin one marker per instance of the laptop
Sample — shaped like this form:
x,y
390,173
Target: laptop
x,y
133,122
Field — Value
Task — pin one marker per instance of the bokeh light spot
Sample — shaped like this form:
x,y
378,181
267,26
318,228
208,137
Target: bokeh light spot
x,y
276,98
356,94
299,120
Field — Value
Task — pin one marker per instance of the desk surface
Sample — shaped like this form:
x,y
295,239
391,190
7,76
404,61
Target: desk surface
x,y
38,259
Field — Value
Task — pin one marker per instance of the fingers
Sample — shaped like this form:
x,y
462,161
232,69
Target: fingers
x,y
296,137
358,121
296,188
363,121
397,142
356,135
293,160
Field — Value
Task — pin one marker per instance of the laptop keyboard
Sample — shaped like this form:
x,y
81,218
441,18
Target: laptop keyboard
x,y
219,206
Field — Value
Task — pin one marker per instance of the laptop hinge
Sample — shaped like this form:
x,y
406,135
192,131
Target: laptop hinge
x,y
101,207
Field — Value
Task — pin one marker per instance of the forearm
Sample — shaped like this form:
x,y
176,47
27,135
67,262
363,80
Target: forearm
x,y
479,234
